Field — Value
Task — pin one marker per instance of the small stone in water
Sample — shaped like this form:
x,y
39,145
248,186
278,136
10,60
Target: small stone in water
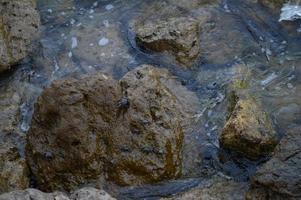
x,y
72,21
70,54
74,42
106,23
269,79
95,4
109,7
103,41
290,86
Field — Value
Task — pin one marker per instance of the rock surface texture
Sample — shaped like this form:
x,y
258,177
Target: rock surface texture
x,y
19,23
280,177
81,194
215,189
13,169
119,130
275,4
249,129
178,36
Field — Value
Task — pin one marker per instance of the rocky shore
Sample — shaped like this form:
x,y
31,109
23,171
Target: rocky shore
x,y
98,98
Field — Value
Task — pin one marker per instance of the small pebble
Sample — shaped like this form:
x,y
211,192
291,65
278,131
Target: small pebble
x,y
106,23
290,86
103,41
70,54
74,42
109,7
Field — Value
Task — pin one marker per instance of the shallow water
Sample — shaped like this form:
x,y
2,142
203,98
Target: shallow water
x,y
88,36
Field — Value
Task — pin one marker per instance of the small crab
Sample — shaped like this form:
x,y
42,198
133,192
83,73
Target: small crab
x,y
124,103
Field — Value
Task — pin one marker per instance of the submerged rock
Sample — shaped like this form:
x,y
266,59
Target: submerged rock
x,y
280,177
13,169
81,194
19,23
248,130
117,130
179,36
192,4
275,4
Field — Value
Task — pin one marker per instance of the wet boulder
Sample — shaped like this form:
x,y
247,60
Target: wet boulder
x,y
280,177
147,143
120,131
13,169
248,130
19,23
71,127
178,36
86,193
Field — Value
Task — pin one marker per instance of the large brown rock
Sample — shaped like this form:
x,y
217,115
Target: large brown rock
x,y
249,130
19,23
280,177
177,35
147,142
122,131
13,169
67,142
86,193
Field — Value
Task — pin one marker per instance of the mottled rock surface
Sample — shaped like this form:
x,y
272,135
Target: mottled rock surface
x,y
19,23
90,194
13,169
192,4
280,177
70,128
121,130
249,129
81,194
147,143
179,36
215,189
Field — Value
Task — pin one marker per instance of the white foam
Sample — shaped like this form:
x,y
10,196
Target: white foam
x,y
290,12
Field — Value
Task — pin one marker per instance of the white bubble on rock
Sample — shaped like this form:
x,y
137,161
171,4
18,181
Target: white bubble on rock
x,y
103,41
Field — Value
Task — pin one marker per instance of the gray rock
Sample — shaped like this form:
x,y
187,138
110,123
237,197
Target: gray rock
x,y
216,188
280,177
81,194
